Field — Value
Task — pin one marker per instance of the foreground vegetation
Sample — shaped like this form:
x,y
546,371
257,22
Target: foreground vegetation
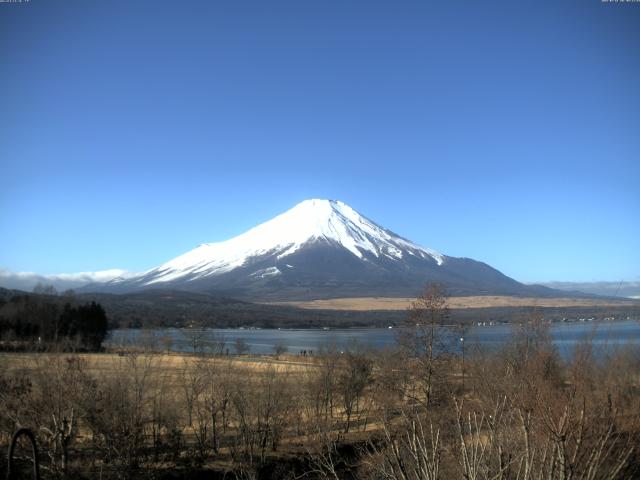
x,y
520,412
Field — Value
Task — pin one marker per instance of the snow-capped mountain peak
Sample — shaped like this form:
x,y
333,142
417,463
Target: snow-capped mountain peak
x,y
317,249
309,222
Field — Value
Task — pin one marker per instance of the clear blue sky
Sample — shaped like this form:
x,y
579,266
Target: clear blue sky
x,y
508,132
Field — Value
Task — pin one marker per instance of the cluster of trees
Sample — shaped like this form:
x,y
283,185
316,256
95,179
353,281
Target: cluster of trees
x,y
522,412
40,319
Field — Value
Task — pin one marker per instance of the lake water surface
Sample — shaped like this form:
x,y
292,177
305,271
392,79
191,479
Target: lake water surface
x,y
604,335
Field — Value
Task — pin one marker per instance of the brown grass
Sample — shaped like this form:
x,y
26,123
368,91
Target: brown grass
x,y
391,303
171,363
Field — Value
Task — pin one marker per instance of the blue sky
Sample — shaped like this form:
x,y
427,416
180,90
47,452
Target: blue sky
x,y
508,132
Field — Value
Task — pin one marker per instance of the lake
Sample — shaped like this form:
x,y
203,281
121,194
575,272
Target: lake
x,y
604,335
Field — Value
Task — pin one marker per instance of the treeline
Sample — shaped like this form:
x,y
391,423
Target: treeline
x,y
159,308
35,321
178,309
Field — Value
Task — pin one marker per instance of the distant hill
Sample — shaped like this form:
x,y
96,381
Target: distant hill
x,y
607,289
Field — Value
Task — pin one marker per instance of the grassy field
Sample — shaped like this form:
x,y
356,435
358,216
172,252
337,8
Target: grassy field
x,y
394,304
167,364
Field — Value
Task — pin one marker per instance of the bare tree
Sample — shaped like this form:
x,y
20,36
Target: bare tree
x,y
280,348
322,382
462,335
241,346
164,416
353,377
149,340
322,450
191,383
421,339
167,342
195,337
217,343
411,451
43,289
216,396
63,385
119,416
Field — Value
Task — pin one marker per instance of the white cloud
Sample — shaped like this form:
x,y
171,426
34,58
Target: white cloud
x,y
61,281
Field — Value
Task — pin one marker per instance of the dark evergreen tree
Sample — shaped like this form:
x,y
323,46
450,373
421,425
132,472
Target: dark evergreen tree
x,y
37,318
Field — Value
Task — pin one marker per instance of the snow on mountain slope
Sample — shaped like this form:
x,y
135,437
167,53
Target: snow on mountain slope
x,y
308,222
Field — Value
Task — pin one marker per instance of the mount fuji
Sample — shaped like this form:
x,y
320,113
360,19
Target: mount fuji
x,y
319,249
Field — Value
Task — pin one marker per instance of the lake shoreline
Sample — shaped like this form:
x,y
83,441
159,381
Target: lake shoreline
x,y
395,326
565,335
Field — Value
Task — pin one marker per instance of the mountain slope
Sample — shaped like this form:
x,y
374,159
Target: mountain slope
x,y
320,249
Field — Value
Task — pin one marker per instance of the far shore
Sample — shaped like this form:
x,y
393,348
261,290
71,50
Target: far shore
x,y
403,303
391,326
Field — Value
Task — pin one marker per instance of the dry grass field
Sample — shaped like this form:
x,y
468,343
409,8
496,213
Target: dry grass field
x,y
163,363
391,303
